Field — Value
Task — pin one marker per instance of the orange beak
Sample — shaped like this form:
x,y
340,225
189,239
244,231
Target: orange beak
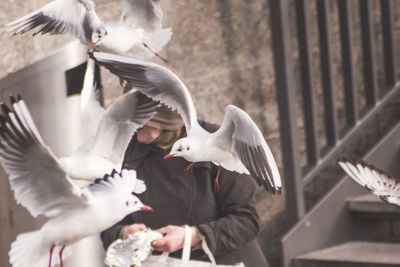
x,y
168,156
91,46
146,208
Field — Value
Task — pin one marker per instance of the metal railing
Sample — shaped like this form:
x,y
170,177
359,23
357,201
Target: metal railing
x,y
372,93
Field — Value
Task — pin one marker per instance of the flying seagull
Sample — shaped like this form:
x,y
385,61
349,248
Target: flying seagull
x,y
138,33
375,180
42,186
105,133
238,145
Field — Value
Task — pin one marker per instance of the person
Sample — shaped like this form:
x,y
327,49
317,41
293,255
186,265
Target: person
x,y
227,219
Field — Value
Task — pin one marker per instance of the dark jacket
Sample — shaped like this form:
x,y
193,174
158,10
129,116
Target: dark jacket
x,y
228,218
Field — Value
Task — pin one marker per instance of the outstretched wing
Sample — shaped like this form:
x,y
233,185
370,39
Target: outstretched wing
x,y
144,14
91,111
375,180
247,143
153,80
124,182
127,114
36,178
75,17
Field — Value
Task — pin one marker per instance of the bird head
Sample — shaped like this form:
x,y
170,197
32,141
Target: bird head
x,y
180,149
97,36
134,204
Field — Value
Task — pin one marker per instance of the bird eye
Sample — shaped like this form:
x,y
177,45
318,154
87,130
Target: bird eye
x,y
135,202
179,149
188,148
127,203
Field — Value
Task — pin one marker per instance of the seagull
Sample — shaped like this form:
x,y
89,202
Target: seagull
x,y
42,186
375,180
138,33
238,145
75,17
105,133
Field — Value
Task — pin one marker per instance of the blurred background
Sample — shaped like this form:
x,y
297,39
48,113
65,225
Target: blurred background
x,y
318,77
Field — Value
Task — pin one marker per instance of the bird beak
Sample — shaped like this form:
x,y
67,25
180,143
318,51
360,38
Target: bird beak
x,y
146,208
168,156
92,45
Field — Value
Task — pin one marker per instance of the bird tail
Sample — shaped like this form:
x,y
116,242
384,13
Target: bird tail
x,y
158,39
140,187
28,250
154,41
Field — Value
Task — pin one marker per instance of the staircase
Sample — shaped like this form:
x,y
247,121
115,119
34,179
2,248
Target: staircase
x,y
382,251
357,229
350,254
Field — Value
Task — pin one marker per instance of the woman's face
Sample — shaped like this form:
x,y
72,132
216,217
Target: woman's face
x,y
147,134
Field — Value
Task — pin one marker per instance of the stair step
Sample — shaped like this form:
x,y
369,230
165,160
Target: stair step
x,y
368,254
372,206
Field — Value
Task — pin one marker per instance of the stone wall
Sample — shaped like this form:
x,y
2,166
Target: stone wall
x,y
221,48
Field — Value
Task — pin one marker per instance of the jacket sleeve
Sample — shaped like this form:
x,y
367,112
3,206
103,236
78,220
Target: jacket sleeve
x,y
111,234
238,223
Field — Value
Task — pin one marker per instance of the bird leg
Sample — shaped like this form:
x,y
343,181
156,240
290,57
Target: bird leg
x,y
51,253
60,255
216,184
189,168
156,54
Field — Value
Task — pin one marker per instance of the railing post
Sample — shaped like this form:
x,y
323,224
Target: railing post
x,y
308,89
331,124
287,114
389,43
346,34
367,34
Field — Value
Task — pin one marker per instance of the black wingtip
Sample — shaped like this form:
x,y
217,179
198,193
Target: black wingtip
x,y
279,191
342,159
5,109
12,100
268,187
350,159
113,172
2,120
91,55
384,198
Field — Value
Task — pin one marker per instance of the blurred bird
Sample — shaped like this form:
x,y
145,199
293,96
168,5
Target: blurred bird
x,y
105,133
138,33
238,145
375,180
42,186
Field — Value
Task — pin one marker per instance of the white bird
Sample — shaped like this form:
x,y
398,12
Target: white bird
x,y
237,145
138,33
42,186
75,17
373,179
105,133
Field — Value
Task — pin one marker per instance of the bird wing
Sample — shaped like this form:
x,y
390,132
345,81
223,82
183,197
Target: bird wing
x,y
247,143
144,14
36,178
375,180
127,114
91,111
153,80
75,17
123,182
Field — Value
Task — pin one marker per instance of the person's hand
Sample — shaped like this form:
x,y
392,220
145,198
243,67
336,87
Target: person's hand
x,y
174,237
131,229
